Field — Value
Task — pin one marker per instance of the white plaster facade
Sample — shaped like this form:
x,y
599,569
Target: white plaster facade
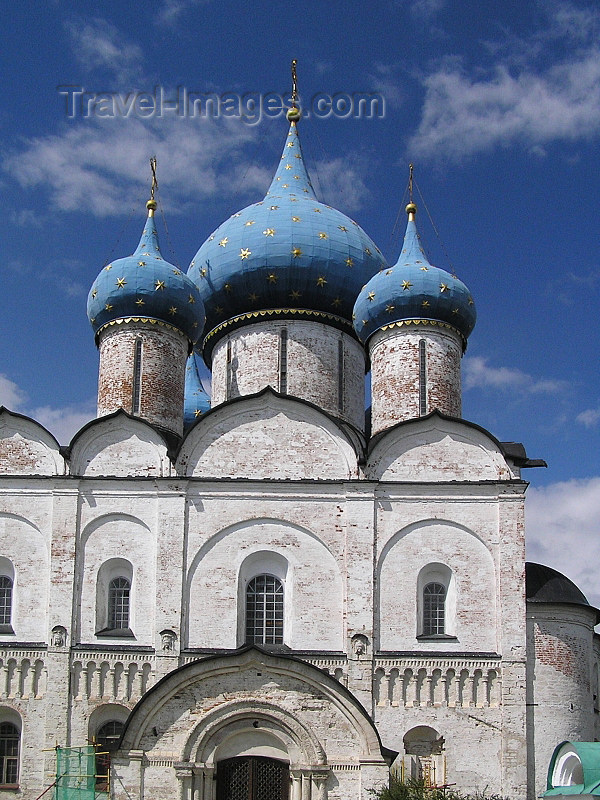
x,y
270,484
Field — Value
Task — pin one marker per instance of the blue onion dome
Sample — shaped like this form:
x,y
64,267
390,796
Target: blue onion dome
x,y
196,399
288,256
412,291
145,287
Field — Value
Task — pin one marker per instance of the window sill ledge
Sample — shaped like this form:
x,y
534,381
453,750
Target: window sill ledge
x,y
116,633
436,637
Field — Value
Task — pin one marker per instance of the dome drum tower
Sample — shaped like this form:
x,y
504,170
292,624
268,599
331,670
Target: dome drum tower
x,y
303,358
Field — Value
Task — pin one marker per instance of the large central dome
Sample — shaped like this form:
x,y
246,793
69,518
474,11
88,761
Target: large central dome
x,y
288,256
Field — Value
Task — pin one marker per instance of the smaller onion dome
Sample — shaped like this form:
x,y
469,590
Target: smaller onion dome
x,y
197,398
413,289
145,287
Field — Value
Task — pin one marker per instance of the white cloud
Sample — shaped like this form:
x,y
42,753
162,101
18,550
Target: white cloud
x,y
341,183
479,375
563,527
98,44
590,417
99,165
515,100
11,396
170,11
63,422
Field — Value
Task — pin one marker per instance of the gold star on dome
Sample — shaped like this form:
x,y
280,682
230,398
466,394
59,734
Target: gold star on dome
x,y
236,215
389,308
197,413
244,253
371,296
191,298
425,303
443,287
293,199
406,285
322,235
297,155
159,285
349,262
193,262
295,295
139,302
353,316
337,302
321,281
364,321
94,293
296,252
93,320
203,272
288,166
455,310
176,272
278,178
297,177
121,282
343,228
253,297
424,269
269,232
305,190
223,242
172,310
250,222
389,271
274,208
285,186
367,251
108,307
295,219
210,238
470,300
290,144
218,310
227,287
107,267
318,210
141,263
272,278
148,254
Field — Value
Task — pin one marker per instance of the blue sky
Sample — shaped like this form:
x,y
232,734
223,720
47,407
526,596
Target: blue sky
x,y
499,110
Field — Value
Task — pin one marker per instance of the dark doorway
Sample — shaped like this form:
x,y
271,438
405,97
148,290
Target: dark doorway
x,y
252,778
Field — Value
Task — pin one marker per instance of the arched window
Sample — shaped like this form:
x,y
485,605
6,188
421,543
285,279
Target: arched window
x,y
6,592
434,603
118,603
114,599
10,739
264,610
107,743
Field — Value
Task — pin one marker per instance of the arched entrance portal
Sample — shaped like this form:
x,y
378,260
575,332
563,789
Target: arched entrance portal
x,y
253,778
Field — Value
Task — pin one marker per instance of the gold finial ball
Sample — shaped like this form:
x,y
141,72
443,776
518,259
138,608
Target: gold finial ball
x,y
151,205
411,208
293,114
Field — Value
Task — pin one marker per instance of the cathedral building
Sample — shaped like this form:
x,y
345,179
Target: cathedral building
x,y
264,594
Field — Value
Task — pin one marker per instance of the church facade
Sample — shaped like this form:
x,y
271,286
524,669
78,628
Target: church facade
x,y
264,595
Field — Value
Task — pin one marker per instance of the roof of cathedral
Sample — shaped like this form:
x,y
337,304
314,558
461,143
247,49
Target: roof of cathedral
x,y
197,400
546,585
287,256
145,286
413,290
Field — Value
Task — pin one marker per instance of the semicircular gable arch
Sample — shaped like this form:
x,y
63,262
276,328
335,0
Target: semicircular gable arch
x,y
27,447
437,448
119,445
268,436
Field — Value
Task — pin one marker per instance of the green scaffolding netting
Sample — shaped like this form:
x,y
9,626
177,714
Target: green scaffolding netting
x,y
77,775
